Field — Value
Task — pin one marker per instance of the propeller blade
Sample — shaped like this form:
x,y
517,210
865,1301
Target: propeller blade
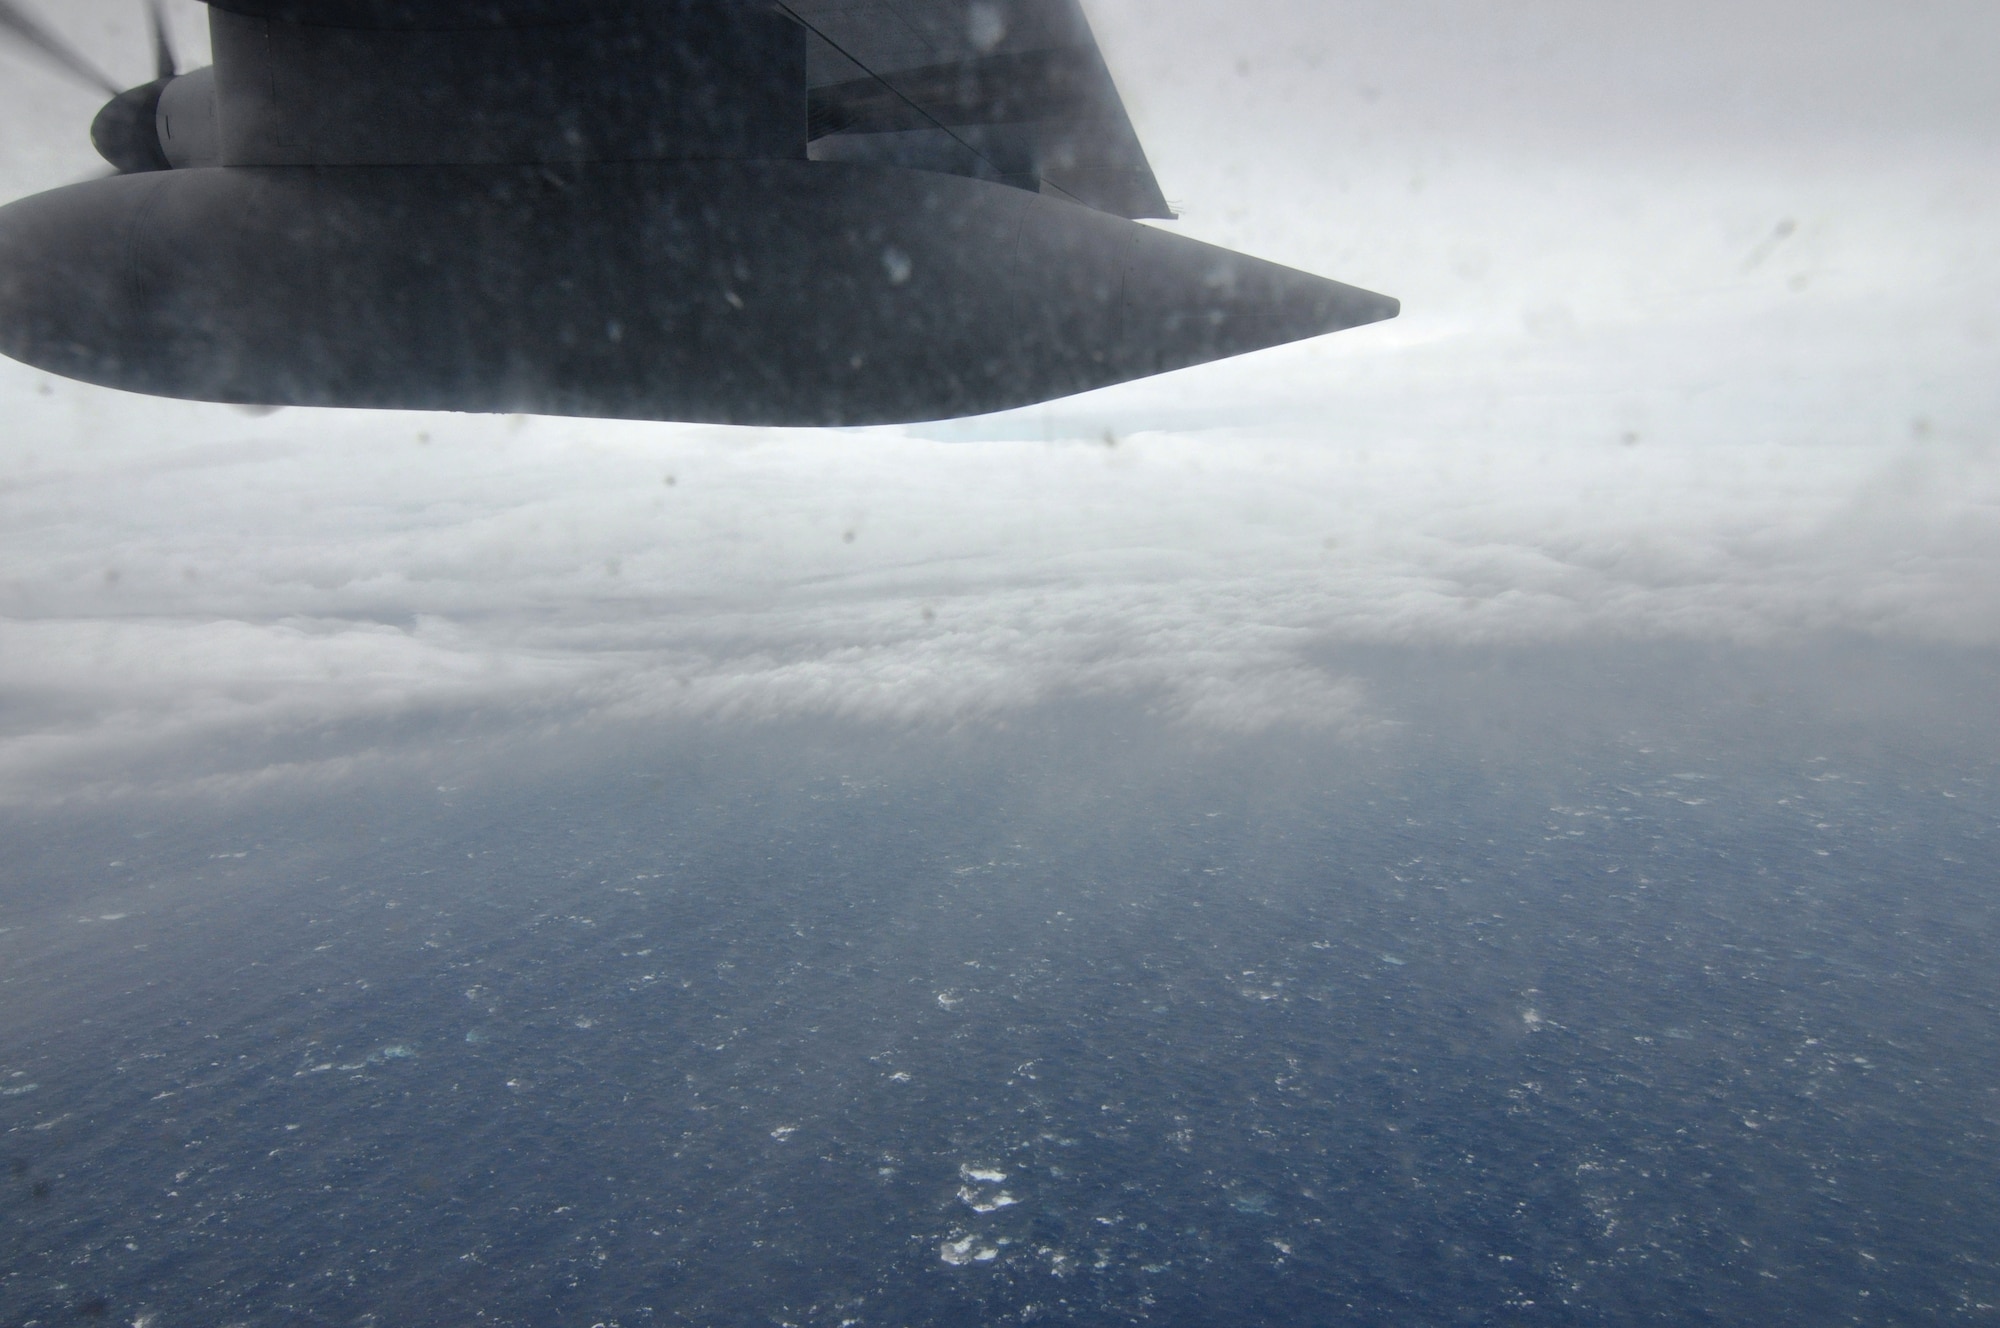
x,y
164,65
32,33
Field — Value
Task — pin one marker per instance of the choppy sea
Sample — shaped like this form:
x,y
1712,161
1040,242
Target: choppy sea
x,y
1638,984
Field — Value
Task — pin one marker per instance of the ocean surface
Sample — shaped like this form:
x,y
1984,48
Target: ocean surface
x,y
1617,984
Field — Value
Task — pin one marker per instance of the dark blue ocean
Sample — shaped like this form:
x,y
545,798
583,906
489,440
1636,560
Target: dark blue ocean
x,y
1634,984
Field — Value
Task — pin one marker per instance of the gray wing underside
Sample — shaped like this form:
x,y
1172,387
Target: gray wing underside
x,y
1009,90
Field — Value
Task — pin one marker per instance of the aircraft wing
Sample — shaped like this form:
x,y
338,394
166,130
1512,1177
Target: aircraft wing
x,y
1008,90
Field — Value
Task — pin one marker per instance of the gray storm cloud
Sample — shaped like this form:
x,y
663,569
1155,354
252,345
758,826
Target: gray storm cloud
x,y
1698,345
353,576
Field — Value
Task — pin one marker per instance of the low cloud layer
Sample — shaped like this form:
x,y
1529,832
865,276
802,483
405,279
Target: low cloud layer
x,y
325,583
1717,367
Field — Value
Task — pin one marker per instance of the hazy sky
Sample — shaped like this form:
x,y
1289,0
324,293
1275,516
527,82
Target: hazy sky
x,y
1700,341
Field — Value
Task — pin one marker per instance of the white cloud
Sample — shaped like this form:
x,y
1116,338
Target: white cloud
x,y
1614,408
180,609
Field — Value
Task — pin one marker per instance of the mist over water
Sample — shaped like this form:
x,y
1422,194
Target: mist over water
x,y
1591,984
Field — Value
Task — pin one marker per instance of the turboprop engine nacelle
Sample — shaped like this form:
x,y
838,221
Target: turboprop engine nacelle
x,y
611,212
739,292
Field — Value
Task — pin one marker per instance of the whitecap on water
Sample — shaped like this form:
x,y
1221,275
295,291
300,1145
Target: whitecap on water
x,y
980,1202
967,1250
979,1192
